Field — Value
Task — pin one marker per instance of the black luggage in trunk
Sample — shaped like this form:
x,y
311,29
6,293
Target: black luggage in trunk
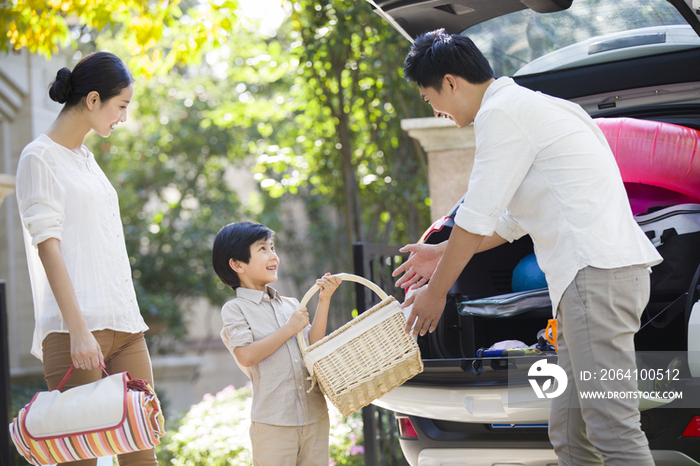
x,y
675,230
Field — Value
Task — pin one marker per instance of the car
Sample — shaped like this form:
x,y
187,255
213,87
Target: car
x,y
634,66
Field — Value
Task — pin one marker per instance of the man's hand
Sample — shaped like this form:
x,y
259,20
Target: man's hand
x,y
429,301
426,311
420,266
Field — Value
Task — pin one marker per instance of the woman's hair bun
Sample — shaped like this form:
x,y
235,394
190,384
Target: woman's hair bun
x,y
61,89
100,72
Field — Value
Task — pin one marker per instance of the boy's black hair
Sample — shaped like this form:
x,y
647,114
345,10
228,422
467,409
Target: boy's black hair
x,y
437,53
233,242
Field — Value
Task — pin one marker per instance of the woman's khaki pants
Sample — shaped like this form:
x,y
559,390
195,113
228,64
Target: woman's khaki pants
x,y
123,352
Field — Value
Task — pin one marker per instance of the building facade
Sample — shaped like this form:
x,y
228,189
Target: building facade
x,y
25,112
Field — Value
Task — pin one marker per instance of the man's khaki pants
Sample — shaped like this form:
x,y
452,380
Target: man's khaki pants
x,y
597,318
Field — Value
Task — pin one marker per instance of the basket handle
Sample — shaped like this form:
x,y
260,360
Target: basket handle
x,y
346,277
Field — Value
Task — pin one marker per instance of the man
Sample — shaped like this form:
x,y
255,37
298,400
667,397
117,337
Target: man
x,y
542,167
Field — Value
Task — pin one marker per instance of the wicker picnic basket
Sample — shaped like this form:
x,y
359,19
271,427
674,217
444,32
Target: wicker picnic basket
x,y
365,358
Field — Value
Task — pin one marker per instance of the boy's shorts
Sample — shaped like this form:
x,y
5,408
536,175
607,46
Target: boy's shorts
x,y
290,445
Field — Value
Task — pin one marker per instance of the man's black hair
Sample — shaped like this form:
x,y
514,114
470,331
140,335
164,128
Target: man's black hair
x,y
233,242
437,53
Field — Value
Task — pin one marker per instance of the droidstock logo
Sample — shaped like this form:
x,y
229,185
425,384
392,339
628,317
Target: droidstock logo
x,y
542,369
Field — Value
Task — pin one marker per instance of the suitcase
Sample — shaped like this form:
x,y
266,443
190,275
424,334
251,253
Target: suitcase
x,y
675,231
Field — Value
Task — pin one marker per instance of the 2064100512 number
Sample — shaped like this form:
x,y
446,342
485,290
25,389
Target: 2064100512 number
x,y
639,374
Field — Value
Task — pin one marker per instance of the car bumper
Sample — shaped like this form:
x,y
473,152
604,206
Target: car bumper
x,y
484,404
487,457
521,457
467,404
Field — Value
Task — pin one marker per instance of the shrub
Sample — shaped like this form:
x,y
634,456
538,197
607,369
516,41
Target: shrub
x,y
215,433
346,439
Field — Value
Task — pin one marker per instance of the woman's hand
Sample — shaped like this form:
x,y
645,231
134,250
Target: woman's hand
x,y
420,266
328,284
85,351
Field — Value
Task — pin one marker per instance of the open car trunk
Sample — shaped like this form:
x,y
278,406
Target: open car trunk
x,y
452,356
481,311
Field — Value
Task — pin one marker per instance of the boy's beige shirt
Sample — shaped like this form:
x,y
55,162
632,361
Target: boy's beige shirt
x,y
280,381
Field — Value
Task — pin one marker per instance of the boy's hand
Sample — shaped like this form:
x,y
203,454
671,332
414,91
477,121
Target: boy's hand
x,y
328,284
299,320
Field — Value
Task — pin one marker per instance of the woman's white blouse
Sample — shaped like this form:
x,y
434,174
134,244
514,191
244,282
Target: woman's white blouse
x,y
65,195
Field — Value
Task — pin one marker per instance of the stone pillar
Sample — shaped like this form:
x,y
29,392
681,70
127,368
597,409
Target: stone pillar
x,y
450,159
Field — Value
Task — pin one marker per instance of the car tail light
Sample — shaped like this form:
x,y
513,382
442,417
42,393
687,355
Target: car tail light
x,y
693,429
406,428
436,226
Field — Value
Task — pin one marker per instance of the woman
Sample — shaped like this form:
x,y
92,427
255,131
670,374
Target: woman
x,y
85,308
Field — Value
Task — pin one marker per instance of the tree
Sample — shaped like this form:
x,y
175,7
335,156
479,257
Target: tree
x,y
160,34
322,103
315,110
349,96
174,196
173,166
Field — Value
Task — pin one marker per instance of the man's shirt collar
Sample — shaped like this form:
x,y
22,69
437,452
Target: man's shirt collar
x,y
495,86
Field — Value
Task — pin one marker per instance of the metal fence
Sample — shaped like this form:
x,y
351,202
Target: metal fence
x,y
375,262
372,261
5,408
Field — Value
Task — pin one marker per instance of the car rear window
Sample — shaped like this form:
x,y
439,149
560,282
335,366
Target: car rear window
x,y
590,31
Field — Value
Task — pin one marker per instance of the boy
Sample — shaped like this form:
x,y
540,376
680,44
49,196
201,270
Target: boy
x,y
290,424
542,167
